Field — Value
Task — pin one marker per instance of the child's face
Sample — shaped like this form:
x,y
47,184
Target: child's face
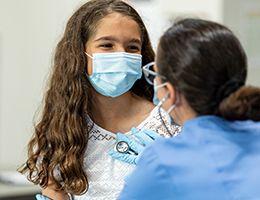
x,y
115,33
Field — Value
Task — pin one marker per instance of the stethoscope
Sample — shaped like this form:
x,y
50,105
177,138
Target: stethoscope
x,y
123,147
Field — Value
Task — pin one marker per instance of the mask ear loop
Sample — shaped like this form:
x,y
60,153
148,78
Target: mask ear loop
x,y
163,100
171,108
172,123
86,74
88,55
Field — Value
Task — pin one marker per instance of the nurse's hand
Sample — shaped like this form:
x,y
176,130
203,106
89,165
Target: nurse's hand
x,y
136,146
41,197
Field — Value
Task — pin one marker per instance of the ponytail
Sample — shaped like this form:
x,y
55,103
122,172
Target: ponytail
x,y
243,104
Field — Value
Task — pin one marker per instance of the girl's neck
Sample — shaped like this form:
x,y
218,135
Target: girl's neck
x,y
121,113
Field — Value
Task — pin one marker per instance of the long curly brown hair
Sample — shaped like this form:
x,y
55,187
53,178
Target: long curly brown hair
x,y
61,135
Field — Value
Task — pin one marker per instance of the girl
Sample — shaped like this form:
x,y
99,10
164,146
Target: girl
x,y
96,90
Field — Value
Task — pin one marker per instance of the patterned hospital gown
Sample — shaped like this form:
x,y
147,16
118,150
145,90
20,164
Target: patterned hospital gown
x,y
106,175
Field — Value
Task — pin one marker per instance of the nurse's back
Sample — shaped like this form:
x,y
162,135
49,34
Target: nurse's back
x,y
211,159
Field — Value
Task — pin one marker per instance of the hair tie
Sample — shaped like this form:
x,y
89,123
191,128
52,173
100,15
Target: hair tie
x,y
228,88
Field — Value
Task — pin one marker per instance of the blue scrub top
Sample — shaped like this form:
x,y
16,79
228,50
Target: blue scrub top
x,y
212,159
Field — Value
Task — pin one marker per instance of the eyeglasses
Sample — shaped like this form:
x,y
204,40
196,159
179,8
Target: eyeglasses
x,y
150,74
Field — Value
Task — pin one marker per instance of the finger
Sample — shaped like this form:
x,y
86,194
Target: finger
x,y
143,138
128,158
121,137
151,133
41,197
135,146
135,130
115,154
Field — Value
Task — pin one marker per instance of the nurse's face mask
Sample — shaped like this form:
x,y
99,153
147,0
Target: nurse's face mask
x,y
150,76
114,74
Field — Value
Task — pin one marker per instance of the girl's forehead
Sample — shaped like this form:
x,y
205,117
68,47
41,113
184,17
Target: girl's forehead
x,y
117,24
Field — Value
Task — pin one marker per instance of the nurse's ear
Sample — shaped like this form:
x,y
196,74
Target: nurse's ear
x,y
173,95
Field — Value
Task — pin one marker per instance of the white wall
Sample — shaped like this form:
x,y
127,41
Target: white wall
x,y
243,17
154,18
29,30
200,8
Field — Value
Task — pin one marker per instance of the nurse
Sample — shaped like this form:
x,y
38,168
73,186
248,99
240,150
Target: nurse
x,y
201,71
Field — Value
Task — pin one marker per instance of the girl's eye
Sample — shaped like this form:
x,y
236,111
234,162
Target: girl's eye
x,y
134,48
108,45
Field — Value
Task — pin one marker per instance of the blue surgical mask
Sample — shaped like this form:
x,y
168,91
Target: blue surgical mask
x,y
156,101
114,74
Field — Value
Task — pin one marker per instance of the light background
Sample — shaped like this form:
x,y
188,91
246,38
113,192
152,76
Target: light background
x,y
30,29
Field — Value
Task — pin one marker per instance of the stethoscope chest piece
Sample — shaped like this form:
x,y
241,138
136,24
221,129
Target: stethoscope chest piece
x,y
122,147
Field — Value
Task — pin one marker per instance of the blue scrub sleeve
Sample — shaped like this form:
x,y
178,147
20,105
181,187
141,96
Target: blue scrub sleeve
x,y
149,180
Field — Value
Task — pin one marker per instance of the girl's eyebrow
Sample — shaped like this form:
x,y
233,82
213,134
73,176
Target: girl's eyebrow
x,y
106,38
111,38
135,40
